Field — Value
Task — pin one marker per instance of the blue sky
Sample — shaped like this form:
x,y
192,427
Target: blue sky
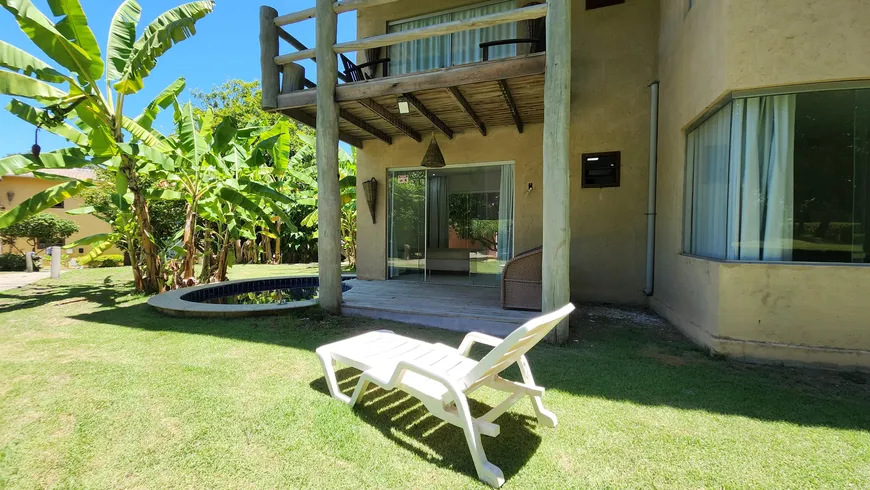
x,y
225,47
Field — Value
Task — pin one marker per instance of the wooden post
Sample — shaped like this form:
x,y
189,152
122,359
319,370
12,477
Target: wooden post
x,y
557,184
329,200
293,79
270,73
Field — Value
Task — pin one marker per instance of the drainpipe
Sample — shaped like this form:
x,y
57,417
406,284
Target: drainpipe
x,y
651,204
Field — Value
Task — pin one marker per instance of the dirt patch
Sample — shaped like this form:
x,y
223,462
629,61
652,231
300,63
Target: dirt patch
x,y
621,316
687,358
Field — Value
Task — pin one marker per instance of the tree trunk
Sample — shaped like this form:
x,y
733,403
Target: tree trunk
x,y
220,274
205,273
267,249
278,245
189,241
152,282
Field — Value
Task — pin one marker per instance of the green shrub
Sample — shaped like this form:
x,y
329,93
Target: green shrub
x,y
14,262
106,261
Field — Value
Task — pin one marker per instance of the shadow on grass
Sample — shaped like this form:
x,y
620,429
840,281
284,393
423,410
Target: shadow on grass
x,y
40,295
392,411
638,365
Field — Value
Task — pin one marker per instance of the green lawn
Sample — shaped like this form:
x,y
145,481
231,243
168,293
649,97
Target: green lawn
x,y
99,391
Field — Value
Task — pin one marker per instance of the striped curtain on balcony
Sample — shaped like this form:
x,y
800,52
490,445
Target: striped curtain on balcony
x,y
466,45
423,54
455,49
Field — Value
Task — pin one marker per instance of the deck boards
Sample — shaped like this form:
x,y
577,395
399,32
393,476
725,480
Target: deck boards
x,y
462,308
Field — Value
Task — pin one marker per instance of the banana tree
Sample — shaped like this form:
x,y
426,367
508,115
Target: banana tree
x,y
307,189
83,100
223,173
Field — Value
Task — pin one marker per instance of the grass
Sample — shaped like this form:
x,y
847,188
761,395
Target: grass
x,y
99,391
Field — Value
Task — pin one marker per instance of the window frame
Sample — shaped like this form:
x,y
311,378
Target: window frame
x,y
721,104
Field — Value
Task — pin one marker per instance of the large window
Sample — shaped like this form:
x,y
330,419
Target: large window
x,y
781,178
454,49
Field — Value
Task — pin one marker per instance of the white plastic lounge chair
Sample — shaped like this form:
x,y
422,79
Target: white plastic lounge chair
x,y
442,377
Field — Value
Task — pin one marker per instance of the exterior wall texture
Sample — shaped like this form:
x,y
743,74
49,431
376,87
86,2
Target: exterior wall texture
x,y
25,187
789,313
614,58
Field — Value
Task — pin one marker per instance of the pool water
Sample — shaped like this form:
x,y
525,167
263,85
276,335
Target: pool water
x,y
269,297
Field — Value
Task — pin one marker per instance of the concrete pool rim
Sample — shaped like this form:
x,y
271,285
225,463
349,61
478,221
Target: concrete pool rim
x,y
173,303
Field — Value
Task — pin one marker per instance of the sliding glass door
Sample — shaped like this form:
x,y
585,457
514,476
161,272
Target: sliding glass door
x,y
406,243
452,225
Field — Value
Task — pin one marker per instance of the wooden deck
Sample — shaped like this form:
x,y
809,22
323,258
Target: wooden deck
x,y
459,308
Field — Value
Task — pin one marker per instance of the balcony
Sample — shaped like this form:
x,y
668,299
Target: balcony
x,y
467,97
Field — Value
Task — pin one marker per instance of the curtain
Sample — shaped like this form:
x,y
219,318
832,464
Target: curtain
x,y
506,214
454,49
707,157
466,45
423,54
762,182
439,230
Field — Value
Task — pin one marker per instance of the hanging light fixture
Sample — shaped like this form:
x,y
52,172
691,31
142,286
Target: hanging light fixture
x,y
433,157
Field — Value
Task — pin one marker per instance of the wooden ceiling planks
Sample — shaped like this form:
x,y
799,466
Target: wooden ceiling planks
x,y
485,98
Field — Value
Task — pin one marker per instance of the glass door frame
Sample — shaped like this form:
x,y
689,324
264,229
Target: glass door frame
x,y
388,224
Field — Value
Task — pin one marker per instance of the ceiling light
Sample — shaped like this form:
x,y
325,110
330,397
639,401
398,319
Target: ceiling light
x,y
404,106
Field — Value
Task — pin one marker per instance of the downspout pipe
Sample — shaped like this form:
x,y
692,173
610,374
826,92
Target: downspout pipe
x,y
651,203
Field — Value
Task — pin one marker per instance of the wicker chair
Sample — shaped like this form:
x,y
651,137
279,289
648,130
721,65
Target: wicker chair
x,y
521,281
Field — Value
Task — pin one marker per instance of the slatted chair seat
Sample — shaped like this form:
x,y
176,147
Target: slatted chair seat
x,y
442,377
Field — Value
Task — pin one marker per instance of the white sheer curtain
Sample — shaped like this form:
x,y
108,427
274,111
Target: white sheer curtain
x,y
506,214
423,54
707,156
762,182
466,45
455,49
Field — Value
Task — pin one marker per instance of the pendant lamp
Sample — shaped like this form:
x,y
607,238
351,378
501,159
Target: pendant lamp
x,y
433,157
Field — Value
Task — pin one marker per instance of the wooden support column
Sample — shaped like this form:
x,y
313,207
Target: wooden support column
x,y
270,72
557,147
329,199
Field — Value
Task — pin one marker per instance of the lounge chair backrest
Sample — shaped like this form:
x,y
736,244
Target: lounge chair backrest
x,y
515,346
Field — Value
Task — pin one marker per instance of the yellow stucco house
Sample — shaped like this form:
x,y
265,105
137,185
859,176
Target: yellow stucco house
x,y
14,189
708,158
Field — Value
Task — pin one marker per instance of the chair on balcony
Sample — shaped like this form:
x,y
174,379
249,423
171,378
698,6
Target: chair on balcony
x,y
536,30
521,281
355,72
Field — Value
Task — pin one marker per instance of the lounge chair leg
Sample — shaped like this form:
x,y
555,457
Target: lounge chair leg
x,y
360,390
545,417
486,471
328,365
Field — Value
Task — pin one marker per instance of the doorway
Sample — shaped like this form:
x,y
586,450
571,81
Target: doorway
x,y
453,225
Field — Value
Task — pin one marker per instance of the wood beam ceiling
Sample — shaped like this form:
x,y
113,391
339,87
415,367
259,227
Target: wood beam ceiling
x,y
468,109
368,128
391,118
512,105
435,120
311,121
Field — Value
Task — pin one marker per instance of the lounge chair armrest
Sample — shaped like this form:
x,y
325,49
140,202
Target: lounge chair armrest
x,y
477,337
